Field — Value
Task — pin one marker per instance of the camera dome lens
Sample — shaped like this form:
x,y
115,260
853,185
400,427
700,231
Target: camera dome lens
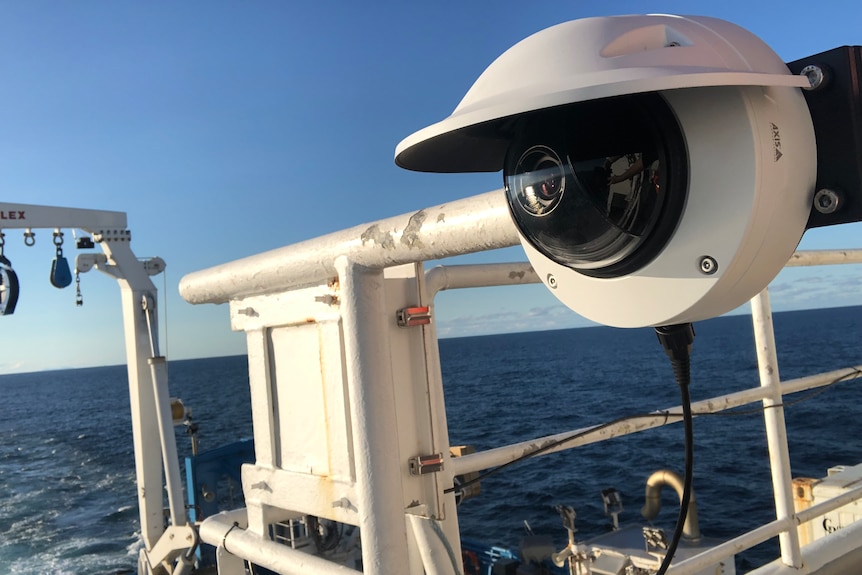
x,y
540,180
598,186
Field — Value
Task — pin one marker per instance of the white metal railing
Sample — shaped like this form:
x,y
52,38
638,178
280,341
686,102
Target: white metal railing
x,y
770,393
357,254
594,434
429,234
763,533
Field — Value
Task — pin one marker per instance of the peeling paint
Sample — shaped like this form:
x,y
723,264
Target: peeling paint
x,y
378,236
441,218
410,237
532,448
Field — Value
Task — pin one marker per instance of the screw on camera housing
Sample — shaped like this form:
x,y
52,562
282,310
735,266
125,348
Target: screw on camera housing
x,y
827,201
817,76
552,281
708,265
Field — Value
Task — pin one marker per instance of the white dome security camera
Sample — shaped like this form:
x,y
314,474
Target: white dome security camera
x,y
659,169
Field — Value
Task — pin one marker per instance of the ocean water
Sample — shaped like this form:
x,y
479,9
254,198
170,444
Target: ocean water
x,y
67,481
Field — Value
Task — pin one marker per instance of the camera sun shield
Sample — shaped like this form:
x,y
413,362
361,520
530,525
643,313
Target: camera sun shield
x,y
585,60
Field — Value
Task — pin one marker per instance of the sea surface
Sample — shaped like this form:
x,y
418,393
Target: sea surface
x,y
67,479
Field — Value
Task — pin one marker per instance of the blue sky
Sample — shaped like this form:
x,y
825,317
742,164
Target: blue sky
x,y
229,128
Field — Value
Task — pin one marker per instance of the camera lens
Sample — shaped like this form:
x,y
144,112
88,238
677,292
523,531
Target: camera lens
x,y
598,186
541,181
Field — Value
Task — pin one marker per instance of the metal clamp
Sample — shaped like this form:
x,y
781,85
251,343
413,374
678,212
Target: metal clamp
x,y
422,464
413,316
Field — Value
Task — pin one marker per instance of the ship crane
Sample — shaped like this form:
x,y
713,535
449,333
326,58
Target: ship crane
x,y
166,548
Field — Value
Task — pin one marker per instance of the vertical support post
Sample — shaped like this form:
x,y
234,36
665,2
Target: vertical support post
x,y
145,428
135,286
373,419
262,400
440,425
159,376
263,414
776,431
158,371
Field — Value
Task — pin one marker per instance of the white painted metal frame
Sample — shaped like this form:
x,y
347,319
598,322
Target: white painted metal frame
x,y
356,258
329,369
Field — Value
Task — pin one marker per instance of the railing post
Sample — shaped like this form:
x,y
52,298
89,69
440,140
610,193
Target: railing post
x,y
372,415
776,432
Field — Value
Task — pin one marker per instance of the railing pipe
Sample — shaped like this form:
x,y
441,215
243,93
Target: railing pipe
x,y
831,504
435,558
478,275
820,379
763,533
776,430
474,224
825,257
420,236
223,531
508,453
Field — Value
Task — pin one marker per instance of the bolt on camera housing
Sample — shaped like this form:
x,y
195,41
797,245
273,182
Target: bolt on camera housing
x,y
659,169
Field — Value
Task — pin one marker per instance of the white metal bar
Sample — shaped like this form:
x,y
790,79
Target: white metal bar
x,y
465,226
839,553
507,453
820,379
135,285
825,257
266,436
832,504
435,557
23,216
371,393
448,515
439,425
159,375
478,275
763,533
168,440
225,532
732,547
776,431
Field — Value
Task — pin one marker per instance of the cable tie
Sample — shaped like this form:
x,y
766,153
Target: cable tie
x,y
224,538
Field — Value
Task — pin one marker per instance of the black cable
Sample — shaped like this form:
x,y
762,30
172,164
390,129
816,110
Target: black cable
x,y
689,469
676,341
